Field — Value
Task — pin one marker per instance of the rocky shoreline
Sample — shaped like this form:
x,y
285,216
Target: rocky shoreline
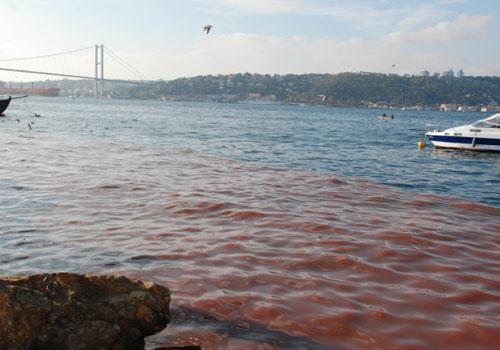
x,y
77,311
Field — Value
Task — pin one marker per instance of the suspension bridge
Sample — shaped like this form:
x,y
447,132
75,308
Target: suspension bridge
x,y
84,63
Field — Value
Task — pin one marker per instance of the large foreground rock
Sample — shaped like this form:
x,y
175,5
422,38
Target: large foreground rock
x,y
72,311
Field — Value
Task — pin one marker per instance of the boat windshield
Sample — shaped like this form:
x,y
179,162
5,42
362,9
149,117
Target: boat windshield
x,y
491,122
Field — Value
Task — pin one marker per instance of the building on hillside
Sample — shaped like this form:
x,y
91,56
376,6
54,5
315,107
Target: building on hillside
x,y
448,74
448,107
465,108
253,96
490,107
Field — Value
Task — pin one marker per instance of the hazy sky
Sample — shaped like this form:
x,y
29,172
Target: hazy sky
x,y
164,39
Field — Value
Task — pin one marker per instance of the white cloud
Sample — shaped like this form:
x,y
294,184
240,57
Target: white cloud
x,y
267,7
361,13
462,28
379,15
242,52
420,16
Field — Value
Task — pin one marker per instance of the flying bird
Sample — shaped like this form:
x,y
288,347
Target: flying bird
x,y
207,28
394,65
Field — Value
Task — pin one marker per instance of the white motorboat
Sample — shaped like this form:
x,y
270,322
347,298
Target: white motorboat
x,y
483,135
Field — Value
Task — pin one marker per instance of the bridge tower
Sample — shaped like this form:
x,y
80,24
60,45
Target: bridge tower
x,y
99,63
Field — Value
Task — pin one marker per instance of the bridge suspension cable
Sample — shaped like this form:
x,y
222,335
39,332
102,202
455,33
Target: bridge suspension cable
x,y
44,56
123,63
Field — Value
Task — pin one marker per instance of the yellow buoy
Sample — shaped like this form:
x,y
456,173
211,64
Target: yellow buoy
x,y
421,144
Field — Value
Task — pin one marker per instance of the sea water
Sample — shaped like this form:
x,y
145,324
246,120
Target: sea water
x,y
273,225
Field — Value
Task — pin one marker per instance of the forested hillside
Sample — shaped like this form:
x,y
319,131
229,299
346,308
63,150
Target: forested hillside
x,y
344,89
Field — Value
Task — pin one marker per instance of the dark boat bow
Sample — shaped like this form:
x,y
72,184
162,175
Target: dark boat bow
x,y
4,103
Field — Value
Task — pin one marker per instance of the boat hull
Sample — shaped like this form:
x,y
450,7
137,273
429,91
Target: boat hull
x,y
465,142
4,104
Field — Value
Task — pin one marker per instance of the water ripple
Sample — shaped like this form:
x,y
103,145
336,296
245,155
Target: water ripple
x,y
263,255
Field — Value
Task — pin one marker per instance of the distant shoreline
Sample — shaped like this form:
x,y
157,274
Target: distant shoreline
x,y
204,99
363,89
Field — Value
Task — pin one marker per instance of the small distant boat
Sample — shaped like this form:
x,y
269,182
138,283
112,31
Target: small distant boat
x,y
384,116
483,135
4,103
